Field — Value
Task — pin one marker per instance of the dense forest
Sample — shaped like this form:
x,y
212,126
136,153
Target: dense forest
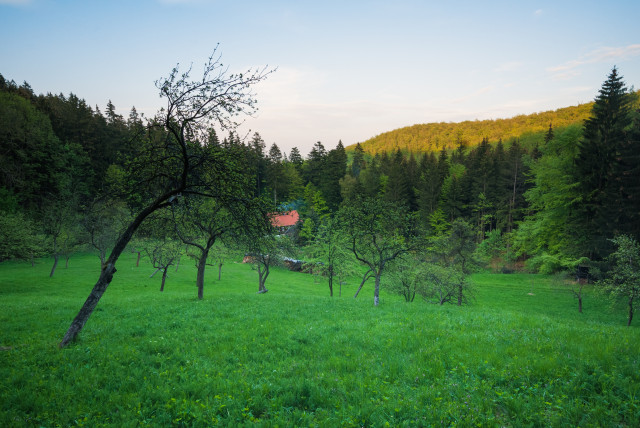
x,y
431,137
66,181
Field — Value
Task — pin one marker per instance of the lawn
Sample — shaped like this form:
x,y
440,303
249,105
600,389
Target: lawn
x,y
520,355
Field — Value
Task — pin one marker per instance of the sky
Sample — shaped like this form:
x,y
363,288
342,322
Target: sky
x,y
346,70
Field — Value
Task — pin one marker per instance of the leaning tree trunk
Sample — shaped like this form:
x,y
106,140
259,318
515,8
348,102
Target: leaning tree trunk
x,y
164,277
364,279
630,311
90,304
56,256
263,273
109,269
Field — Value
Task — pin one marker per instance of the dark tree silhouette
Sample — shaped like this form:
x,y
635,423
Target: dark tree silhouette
x,y
176,163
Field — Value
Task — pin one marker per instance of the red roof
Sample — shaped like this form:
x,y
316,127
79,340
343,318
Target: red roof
x,y
287,219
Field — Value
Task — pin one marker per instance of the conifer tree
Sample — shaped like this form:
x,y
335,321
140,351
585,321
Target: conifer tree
x,y
601,212
357,164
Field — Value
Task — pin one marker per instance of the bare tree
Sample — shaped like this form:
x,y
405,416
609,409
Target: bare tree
x,y
174,160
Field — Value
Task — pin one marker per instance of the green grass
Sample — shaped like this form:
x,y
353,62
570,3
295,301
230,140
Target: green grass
x,y
521,355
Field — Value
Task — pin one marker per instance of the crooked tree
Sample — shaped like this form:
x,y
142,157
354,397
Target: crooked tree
x,y
171,163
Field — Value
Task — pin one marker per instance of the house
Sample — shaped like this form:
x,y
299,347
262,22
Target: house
x,y
286,221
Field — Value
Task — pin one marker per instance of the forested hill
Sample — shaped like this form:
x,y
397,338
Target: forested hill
x,y
434,136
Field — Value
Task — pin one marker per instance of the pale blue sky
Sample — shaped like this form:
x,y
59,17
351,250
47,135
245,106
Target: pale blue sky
x,y
347,70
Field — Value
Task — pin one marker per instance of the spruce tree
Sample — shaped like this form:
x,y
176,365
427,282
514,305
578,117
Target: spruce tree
x,y
601,211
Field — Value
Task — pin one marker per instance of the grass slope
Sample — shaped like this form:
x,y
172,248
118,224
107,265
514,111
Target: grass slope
x,y
520,356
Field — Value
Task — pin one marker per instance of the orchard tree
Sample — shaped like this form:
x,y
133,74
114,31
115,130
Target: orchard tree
x,y
445,284
103,222
623,282
378,232
175,164
163,253
451,257
331,250
265,251
200,223
404,278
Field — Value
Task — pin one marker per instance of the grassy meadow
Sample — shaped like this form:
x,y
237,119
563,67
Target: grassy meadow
x,y
521,355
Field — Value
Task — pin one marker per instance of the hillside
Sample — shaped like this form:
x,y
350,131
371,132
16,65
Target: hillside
x,y
434,136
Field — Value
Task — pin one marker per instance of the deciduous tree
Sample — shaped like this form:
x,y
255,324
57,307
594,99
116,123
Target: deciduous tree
x,y
378,232
174,166
623,281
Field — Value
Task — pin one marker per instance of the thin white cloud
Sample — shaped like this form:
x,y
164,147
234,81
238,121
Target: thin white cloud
x,y
604,54
538,12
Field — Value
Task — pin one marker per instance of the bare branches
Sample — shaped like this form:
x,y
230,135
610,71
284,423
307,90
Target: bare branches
x,y
218,98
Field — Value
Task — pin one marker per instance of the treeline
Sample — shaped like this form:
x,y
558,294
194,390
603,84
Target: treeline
x,y
432,137
550,205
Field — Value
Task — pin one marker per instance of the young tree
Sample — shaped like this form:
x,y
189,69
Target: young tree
x,y
445,284
405,278
163,253
173,166
451,257
330,249
104,220
378,232
199,224
266,251
623,282
221,253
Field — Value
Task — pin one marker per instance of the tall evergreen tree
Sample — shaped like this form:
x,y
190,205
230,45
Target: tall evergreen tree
x,y
296,159
357,164
335,167
602,209
314,166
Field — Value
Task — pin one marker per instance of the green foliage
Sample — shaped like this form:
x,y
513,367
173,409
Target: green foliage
x,y
550,228
330,255
18,237
491,248
433,137
314,212
378,232
623,281
604,208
